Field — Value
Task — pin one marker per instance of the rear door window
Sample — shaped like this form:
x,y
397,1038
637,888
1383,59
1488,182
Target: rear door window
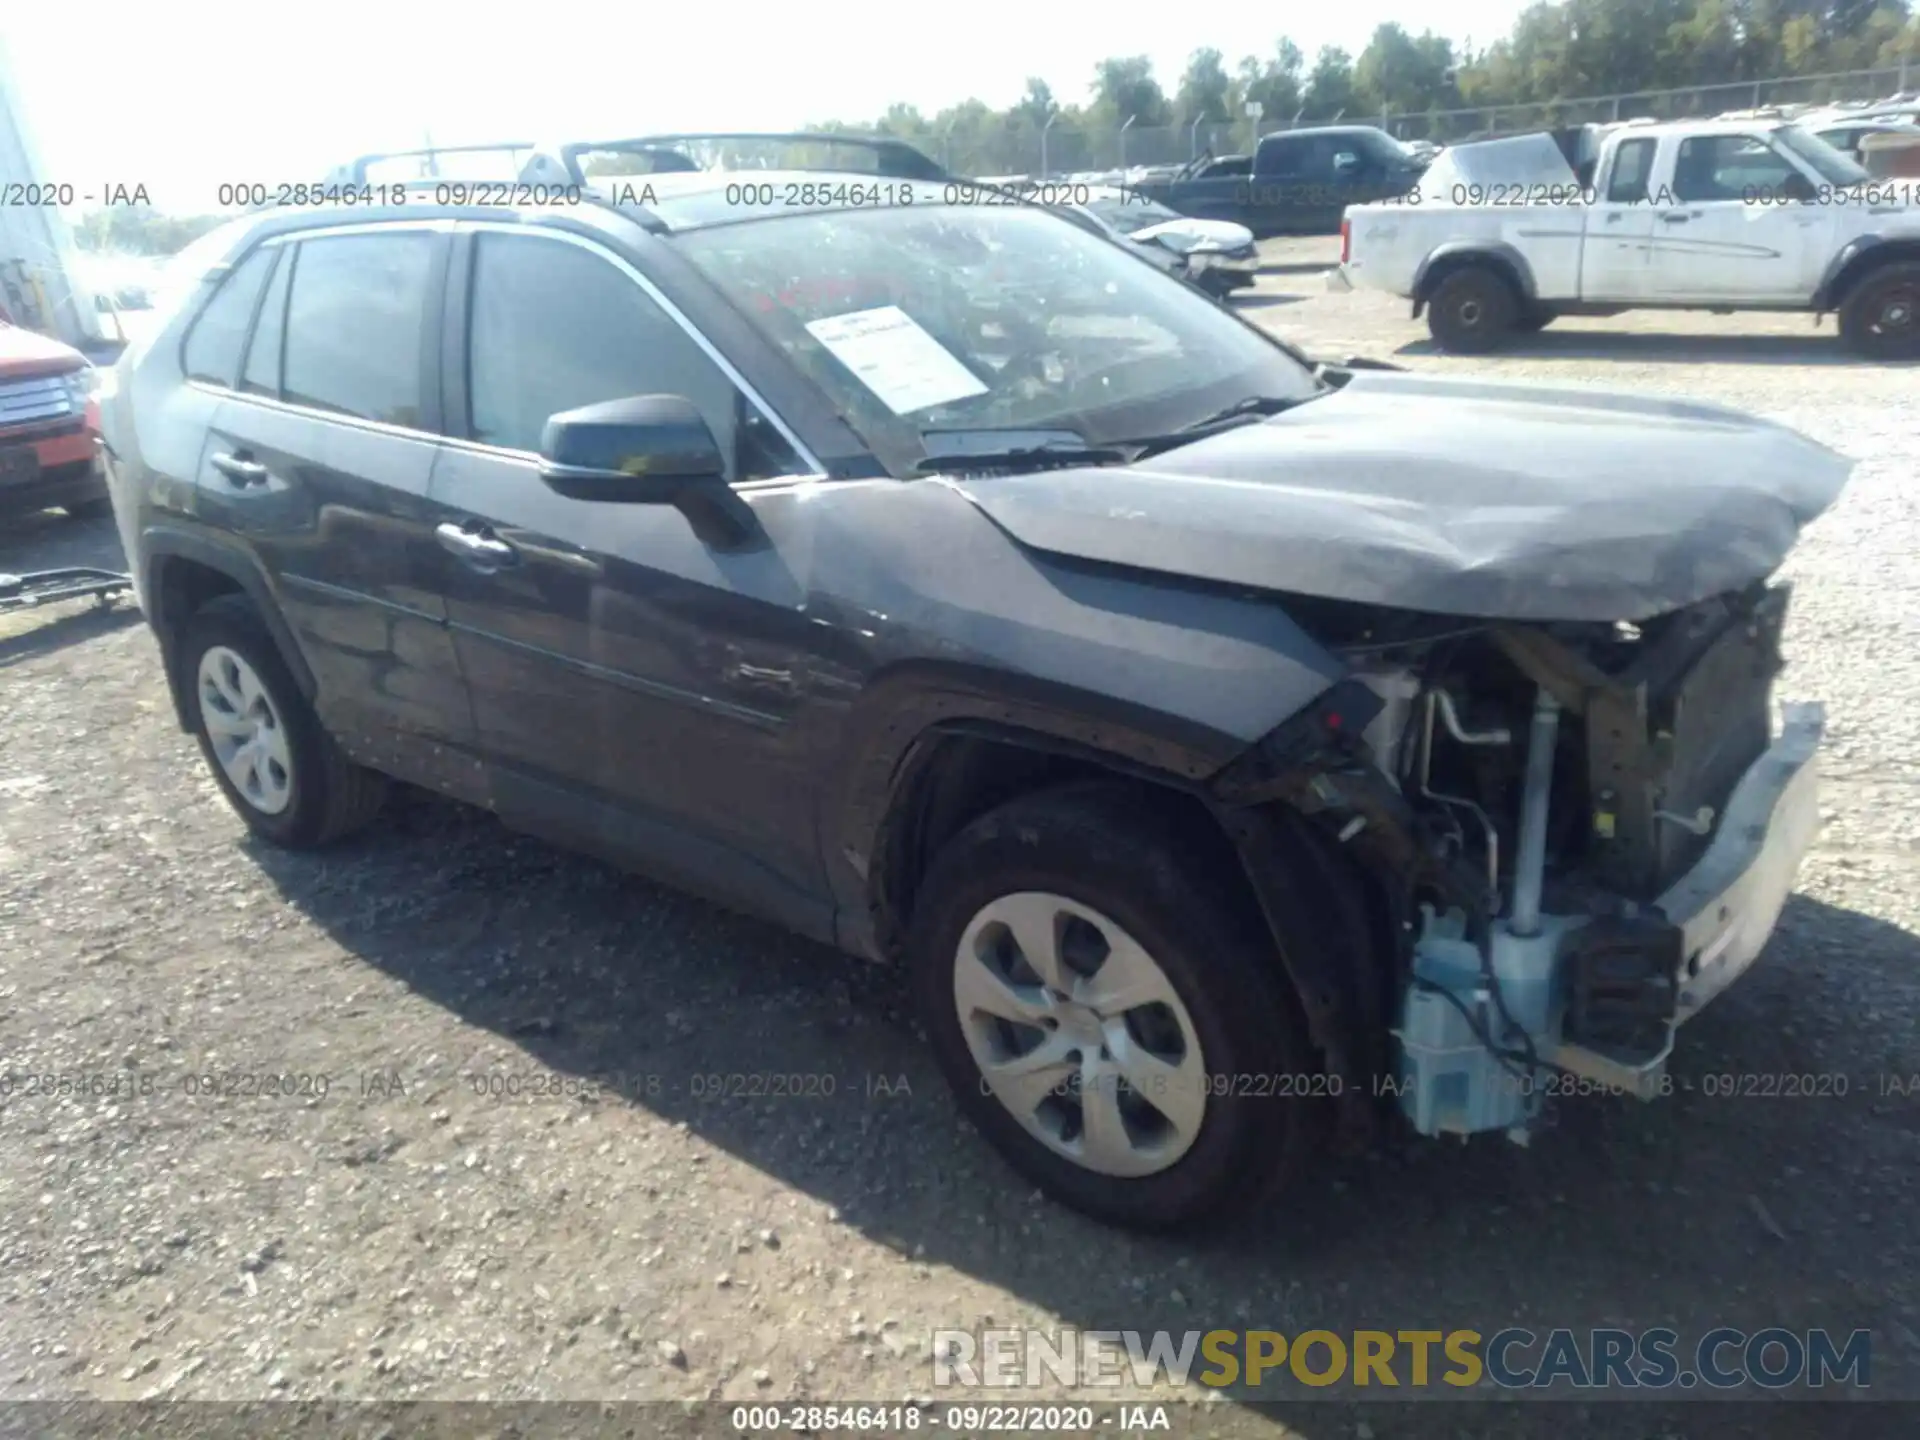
x,y
1632,163
356,321
1315,161
1280,155
220,333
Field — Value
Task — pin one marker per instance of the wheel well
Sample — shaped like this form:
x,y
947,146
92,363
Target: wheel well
x,y
951,780
183,586
1893,252
180,587
1452,264
1339,909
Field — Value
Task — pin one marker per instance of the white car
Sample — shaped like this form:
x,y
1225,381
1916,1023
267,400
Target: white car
x,y
1717,215
1218,255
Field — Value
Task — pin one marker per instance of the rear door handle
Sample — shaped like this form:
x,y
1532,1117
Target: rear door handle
x,y
479,548
239,469
1679,217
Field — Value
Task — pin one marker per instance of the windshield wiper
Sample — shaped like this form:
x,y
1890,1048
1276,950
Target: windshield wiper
x,y
1022,457
1012,449
1252,407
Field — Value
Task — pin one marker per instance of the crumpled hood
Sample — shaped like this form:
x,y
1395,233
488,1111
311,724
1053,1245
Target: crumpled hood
x,y
1188,234
1452,496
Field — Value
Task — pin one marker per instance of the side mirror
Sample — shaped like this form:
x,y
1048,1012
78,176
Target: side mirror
x,y
645,450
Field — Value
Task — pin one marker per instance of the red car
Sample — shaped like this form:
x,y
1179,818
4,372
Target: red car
x,y
49,427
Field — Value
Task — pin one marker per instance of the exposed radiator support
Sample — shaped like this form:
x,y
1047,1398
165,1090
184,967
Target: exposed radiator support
x,y
1530,863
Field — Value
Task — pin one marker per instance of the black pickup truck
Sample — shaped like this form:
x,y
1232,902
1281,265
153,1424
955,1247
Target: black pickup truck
x,y
1297,182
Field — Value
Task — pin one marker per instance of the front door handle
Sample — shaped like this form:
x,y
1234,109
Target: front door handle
x,y
479,548
238,468
1680,217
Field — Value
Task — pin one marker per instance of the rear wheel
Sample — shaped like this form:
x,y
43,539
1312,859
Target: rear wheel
x,y
1109,1011
1880,317
1472,311
1534,320
272,759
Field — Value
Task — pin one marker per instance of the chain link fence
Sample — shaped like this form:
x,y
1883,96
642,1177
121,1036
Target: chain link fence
x,y
1020,147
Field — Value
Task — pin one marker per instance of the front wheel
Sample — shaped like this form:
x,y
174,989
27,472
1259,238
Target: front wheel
x,y
1472,311
1880,318
1110,1013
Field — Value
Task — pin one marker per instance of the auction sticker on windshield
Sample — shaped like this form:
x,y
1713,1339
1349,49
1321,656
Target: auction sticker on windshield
x,y
893,357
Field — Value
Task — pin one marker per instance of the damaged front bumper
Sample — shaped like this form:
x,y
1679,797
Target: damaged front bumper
x,y
1727,905
1483,1028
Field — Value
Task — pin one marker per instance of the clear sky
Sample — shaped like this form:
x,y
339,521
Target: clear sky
x,y
183,94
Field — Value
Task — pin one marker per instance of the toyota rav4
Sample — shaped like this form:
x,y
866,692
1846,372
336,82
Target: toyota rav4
x,y
1238,751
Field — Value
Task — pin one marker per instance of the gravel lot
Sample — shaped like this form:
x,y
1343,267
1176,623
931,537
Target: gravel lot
x,y
406,1236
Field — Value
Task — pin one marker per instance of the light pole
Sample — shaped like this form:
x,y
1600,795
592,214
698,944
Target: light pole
x,y
1045,130
1254,111
1125,126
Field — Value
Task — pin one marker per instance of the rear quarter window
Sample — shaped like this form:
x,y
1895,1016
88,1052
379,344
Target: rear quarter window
x,y
219,332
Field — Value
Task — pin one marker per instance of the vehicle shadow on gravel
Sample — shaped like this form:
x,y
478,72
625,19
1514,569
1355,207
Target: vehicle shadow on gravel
x,y
1578,345
71,626
689,1009
50,539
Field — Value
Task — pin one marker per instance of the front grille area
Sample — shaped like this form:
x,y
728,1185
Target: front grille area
x,y
1720,721
36,400
1676,732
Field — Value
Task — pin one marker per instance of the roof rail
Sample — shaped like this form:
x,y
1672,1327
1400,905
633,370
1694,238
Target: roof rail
x,y
894,159
354,172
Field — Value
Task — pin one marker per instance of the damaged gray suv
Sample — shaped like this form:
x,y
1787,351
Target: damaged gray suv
x,y
1240,753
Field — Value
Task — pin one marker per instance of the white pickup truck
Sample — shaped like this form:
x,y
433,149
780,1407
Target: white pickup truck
x,y
1720,215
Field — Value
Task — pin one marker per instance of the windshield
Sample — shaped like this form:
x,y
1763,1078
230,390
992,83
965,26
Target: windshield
x,y
958,317
1130,211
1830,164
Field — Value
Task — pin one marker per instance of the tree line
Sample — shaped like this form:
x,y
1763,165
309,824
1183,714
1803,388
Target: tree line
x,y
1555,51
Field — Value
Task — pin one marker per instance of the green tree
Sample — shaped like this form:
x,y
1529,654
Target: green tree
x,y
1206,90
1125,88
1276,82
1399,73
1330,92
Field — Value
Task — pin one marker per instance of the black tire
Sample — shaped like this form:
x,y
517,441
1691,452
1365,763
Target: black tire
x,y
331,797
1533,321
1472,310
1880,318
1101,845
96,509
